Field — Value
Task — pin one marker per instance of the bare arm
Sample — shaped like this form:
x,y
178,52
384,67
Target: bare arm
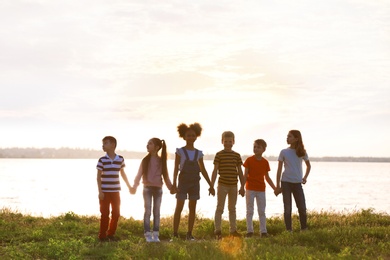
x,y
241,177
308,168
279,174
270,182
206,176
175,174
246,174
214,174
124,177
99,184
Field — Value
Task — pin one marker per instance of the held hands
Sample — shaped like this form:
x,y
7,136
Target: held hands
x,y
242,192
211,191
133,190
277,191
173,189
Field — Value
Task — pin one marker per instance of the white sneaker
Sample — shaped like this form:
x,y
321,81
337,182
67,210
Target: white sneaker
x,y
155,236
148,236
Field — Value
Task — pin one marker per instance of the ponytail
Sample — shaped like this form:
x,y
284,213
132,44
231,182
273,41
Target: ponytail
x,y
164,158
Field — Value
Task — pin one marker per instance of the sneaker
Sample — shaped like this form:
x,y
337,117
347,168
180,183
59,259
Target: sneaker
x,y
235,234
174,237
112,238
189,237
148,236
218,235
104,239
264,235
249,234
155,236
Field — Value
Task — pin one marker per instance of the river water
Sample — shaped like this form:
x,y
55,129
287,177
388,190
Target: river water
x,y
51,187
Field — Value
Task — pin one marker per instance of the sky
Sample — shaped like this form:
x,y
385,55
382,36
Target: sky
x,y
72,72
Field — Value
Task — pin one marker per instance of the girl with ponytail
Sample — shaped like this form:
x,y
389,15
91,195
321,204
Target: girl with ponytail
x,y
152,170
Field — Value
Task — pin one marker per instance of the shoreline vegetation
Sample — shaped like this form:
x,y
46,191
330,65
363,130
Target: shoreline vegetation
x,y
79,153
363,234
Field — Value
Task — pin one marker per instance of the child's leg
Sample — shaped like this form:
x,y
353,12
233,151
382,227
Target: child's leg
x,y
191,215
147,193
115,212
104,216
249,196
176,218
300,201
221,197
157,197
287,203
232,200
261,203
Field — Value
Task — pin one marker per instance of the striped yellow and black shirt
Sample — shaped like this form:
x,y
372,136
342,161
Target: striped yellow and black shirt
x,y
228,161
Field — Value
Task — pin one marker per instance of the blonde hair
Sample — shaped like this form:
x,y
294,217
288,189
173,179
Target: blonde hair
x,y
227,134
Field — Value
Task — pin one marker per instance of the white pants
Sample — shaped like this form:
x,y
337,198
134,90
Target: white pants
x,y
251,195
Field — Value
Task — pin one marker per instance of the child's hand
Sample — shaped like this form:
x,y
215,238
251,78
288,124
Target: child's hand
x,y
242,192
101,196
211,191
173,190
277,191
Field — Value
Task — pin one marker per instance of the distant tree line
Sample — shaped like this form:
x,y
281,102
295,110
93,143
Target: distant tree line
x,y
78,153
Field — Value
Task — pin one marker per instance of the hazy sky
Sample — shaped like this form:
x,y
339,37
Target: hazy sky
x,y
72,72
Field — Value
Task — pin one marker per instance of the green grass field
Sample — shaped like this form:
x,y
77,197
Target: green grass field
x,y
362,234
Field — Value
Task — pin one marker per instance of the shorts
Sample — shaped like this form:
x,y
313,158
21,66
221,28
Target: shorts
x,y
190,188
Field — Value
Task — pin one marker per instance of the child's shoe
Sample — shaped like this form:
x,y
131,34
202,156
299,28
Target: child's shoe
x,y
218,235
235,234
155,236
189,237
148,236
249,235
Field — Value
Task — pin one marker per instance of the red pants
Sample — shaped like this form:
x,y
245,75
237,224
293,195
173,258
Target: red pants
x,y
107,227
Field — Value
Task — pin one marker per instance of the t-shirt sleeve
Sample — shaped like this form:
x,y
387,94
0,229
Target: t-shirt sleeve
x,y
99,165
239,160
246,163
216,159
281,156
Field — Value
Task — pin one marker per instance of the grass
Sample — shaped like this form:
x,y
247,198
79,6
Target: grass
x,y
362,234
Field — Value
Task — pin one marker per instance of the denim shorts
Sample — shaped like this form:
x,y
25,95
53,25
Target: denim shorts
x,y
188,188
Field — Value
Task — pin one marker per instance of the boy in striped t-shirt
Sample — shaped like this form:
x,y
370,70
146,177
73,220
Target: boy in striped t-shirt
x,y
227,163
108,169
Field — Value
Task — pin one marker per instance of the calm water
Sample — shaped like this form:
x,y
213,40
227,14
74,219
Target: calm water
x,y
51,187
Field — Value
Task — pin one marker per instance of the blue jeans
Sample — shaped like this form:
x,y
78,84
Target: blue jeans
x,y
152,194
296,190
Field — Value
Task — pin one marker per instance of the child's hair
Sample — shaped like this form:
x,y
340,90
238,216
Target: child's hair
x,y
261,142
164,157
111,139
299,147
183,128
227,134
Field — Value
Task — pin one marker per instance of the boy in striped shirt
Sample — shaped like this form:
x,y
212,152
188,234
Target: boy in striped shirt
x,y
108,169
227,163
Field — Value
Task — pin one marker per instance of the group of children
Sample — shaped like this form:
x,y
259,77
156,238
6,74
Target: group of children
x,y
186,182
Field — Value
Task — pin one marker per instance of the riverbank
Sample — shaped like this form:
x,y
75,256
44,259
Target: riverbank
x,y
363,234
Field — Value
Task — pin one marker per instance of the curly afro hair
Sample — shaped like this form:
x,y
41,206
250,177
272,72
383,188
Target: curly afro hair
x,y
183,128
